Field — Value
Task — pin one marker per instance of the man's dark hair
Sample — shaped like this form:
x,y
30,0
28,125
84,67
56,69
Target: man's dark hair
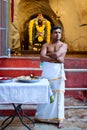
x,y
54,28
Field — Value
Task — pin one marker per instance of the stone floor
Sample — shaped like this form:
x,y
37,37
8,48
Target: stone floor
x,y
76,119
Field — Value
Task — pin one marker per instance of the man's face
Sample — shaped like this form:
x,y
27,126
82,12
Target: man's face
x,y
56,35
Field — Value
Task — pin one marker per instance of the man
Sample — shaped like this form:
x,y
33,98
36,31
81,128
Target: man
x,y
52,56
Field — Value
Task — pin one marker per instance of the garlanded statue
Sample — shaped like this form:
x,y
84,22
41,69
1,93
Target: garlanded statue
x,y
39,30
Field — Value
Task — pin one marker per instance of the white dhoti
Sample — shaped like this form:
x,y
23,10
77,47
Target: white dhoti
x,y
54,72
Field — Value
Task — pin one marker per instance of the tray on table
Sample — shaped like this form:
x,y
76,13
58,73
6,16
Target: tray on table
x,y
5,79
28,79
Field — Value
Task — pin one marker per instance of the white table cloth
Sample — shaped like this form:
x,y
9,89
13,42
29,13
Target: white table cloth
x,y
25,93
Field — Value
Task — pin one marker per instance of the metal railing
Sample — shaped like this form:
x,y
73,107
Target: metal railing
x,y
30,68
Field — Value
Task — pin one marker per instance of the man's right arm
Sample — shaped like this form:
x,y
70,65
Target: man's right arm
x,y
44,56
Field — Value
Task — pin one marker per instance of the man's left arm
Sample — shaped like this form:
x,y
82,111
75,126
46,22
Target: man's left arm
x,y
60,54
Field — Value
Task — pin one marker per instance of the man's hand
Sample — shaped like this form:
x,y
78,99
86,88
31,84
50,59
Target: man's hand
x,y
52,55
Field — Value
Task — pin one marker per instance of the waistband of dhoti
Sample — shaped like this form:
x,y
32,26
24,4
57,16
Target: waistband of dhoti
x,y
56,119
56,78
58,91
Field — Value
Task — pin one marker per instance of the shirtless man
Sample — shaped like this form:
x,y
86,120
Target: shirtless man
x,y
54,51
52,56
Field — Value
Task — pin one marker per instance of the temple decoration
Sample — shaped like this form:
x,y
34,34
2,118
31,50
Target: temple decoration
x,y
39,30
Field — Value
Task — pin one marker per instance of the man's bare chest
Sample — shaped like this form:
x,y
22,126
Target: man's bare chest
x,y
53,48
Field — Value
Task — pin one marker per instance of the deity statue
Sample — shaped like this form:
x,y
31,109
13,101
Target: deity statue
x,y
39,30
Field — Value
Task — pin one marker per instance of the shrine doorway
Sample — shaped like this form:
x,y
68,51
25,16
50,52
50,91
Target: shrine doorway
x,y
31,39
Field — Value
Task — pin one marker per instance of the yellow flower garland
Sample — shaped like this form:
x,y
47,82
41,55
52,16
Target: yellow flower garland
x,y
48,30
31,23
40,30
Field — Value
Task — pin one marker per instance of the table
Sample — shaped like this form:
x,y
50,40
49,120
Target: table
x,y
17,94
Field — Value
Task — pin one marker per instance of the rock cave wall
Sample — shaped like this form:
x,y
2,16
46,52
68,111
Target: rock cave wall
x,y
73,18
